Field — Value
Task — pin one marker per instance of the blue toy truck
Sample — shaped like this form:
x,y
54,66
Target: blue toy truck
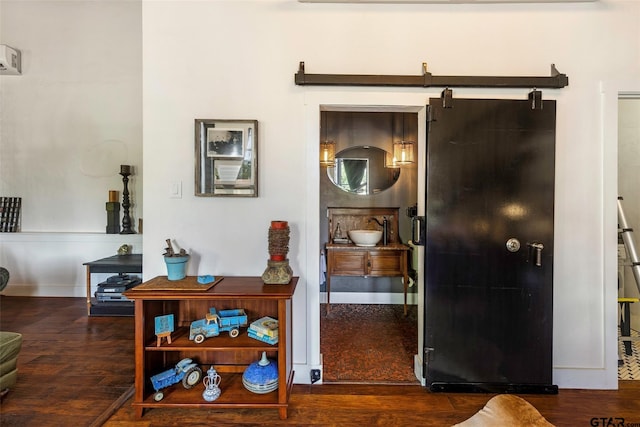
x,y
216,322
185,370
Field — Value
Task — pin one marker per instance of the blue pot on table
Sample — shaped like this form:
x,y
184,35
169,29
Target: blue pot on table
x,y
176,267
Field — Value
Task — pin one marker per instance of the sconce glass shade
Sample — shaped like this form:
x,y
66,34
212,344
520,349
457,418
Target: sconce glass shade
x,y
402,154
390,160
327,153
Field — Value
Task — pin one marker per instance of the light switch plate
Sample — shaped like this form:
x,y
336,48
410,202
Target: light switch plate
x,y
175,190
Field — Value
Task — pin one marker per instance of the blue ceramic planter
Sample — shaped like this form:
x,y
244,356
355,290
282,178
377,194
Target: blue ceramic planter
x,y
261,377
176,267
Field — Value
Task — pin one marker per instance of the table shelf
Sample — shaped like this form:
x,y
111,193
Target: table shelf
x,y
117,264
229,356
233,395
180,342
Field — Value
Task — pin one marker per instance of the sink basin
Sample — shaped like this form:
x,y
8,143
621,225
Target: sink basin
x,y
365,237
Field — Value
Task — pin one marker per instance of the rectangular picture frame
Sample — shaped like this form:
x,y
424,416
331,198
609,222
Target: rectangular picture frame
x,y
226,158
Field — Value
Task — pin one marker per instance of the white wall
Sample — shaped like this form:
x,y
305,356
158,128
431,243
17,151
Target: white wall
x,y
75,114
66,125
51,264
236,60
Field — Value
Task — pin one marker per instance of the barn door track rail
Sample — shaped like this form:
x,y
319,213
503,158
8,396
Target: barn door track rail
x,y
556,80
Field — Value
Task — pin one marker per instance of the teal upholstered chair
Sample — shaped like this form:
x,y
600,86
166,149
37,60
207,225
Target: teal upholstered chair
x,y
10,344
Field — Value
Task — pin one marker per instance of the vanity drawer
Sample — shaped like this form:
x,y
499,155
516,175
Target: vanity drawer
x,y
367,263
386,263
348,263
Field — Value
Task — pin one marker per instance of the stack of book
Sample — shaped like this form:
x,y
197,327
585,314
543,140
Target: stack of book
x,y
264,329
10,214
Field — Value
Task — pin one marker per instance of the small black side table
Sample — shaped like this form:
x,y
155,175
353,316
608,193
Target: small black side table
x,y
117,264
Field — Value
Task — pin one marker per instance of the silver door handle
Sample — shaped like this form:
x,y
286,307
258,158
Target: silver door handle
x,y
537,253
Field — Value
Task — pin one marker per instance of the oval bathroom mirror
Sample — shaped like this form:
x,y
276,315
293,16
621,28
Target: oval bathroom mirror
x,y
361,170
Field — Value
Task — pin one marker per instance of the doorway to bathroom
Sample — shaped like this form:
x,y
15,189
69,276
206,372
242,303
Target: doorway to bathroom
x,y
628,178
365,337
369,343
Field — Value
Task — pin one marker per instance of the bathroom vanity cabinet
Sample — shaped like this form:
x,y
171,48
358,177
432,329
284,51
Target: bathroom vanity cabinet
x,y
377,261
347,259
351,260
229,356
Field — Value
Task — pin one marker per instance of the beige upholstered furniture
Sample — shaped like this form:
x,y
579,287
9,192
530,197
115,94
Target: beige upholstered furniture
x,y
10,345
506,410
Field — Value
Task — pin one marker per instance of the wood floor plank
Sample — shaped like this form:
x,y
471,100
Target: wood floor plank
x,y
364,402
72,368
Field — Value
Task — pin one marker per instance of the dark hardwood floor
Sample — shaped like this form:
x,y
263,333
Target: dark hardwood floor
x,y
72,369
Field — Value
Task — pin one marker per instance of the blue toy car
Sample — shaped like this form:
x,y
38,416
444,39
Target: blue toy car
x,y
216,322
185,370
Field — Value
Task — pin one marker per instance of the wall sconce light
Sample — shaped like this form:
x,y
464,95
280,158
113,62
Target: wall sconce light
x,y
327,146
402,151
327,153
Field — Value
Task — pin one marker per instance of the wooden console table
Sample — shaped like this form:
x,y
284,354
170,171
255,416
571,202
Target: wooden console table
x,y
229,356
347,259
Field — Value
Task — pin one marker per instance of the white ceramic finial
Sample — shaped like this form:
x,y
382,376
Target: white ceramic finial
x,y
264,361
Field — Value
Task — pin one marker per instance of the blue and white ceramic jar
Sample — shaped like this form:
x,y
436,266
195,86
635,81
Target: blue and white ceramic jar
x,y
262,376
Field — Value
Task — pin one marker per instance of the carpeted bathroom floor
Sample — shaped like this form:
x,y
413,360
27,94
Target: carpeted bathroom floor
x,y
368,343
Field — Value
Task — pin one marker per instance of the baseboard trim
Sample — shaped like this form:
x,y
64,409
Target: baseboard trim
x,y
368,298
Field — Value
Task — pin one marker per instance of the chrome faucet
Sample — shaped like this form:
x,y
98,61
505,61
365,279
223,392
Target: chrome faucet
x,y
385,228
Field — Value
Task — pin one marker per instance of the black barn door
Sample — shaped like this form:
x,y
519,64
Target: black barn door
x,y
489,246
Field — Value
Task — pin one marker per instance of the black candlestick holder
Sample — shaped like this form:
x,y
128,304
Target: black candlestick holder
x,y
125,171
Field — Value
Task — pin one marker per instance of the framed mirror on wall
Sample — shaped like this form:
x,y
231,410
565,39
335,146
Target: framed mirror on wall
x,y
361,170
226,158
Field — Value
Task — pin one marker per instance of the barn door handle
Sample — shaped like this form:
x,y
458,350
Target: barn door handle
x,y
537,252
417,230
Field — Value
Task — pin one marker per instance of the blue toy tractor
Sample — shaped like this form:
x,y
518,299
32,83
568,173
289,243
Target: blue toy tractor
x,y
185,370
